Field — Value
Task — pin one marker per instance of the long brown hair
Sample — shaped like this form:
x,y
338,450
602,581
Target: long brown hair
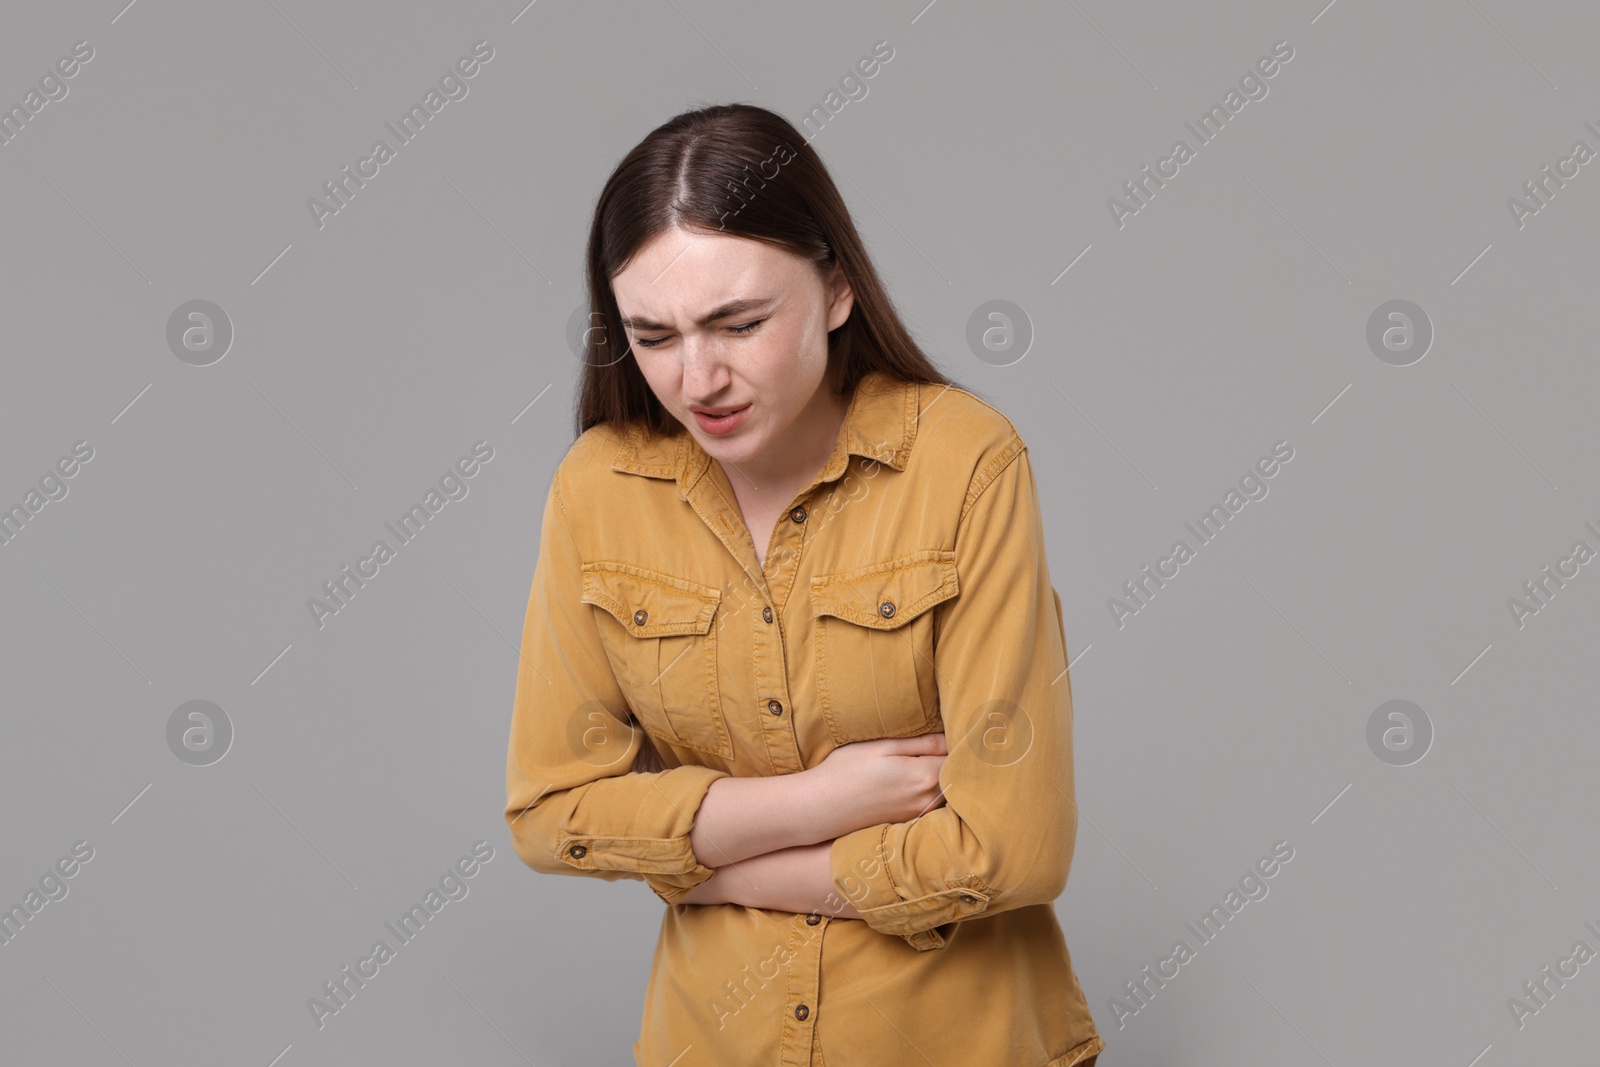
x,y
742,170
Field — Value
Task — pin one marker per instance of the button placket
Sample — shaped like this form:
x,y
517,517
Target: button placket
x,y
772,694
804,981
772,676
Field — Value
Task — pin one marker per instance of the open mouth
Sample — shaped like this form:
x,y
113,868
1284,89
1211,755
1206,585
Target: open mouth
x,y
724,423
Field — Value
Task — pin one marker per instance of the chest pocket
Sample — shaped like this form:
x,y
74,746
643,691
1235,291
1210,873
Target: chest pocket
x,y
662,643
874,645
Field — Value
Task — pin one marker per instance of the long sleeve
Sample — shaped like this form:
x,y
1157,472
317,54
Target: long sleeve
x,y
1004,837
573,802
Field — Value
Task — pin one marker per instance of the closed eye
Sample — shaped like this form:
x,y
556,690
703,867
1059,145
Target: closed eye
x,y
654,342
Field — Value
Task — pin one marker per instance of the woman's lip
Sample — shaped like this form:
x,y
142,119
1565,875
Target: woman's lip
x,y
718,426
719,411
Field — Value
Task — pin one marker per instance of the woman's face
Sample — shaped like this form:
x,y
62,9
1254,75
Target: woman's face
x,y
718,322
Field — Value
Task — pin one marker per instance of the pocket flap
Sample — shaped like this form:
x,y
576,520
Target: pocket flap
x,y
647,603
889,594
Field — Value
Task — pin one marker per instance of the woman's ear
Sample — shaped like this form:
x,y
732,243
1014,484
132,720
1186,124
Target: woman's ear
x,y
841,297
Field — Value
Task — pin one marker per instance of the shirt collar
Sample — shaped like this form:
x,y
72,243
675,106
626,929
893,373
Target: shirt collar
x,y
880,423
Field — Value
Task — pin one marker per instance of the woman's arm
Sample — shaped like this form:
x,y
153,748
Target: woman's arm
x,y
744,817
789,879
1006,835
572,807
860,784
856,785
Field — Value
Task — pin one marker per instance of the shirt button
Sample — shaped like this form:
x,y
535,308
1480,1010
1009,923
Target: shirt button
x,y
801,1011
766,613
639,617
886,609
798,514
775,707
813,919
968,899
577,852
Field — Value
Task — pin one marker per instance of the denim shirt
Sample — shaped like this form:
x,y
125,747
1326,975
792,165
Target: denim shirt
x,y
905,592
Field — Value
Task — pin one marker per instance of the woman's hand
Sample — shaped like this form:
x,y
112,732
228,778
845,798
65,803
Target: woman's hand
x,y
891,779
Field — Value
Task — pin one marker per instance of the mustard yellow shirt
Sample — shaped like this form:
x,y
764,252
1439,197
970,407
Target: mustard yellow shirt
x,y
906,592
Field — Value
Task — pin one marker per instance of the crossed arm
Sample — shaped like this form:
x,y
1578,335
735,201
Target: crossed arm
x,y
761,836
769,839
790,879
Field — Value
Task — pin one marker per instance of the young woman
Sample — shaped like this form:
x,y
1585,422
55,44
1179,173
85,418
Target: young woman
x,y
792,655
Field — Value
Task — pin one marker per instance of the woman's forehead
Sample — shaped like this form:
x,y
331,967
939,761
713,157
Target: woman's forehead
x,y
703,277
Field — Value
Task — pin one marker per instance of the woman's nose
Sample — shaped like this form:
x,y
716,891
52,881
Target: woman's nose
x,y
704,370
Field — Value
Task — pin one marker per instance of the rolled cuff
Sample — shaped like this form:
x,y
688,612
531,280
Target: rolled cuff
x,y
861,864
665,860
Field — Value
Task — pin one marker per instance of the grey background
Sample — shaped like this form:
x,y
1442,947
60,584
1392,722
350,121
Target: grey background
x,y
1228,314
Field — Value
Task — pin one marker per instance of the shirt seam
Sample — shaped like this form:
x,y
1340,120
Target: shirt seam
x,y
888,871
555,484
991,471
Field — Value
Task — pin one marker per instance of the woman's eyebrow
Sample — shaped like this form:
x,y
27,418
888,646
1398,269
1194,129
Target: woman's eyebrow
x,y
722,311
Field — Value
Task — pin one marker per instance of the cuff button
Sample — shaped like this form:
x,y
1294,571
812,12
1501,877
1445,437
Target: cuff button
x,y
577,852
